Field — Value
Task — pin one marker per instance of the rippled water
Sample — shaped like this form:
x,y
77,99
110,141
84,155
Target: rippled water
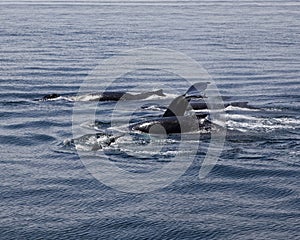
x,y
251,49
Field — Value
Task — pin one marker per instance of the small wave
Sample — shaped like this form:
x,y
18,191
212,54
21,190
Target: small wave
x,y
154,107
241,117
153,97
97,125
247,123
289,121
152,154
84,98
53,99
235,108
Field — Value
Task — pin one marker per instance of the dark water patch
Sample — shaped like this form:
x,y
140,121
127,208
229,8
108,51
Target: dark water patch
x,y
30,140
235,172
67,181
137,228
255,188
273,214
17,94
15,103
47,111
53,74
62,69
281,143
26,194
14,162
44,124
8,115
293,204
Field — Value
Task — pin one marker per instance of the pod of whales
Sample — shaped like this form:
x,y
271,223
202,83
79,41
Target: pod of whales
x,y
173,120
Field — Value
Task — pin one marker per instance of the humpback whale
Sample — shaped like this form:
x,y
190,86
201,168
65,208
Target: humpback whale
x,y
173,124
173,120
201,105
107,96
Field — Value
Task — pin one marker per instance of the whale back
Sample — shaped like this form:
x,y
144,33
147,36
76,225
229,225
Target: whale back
x,y
50,96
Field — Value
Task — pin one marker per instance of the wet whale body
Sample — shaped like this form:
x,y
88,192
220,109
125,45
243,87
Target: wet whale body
x,y
92,142
106,96
201,105
174,120
174,124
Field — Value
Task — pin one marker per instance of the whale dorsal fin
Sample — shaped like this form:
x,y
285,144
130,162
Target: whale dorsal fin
x,y
197,88
177,107
159,93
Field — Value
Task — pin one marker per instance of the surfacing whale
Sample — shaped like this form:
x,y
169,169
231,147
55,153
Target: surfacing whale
x,y
173,124
93,141
173,120
201,105
107,96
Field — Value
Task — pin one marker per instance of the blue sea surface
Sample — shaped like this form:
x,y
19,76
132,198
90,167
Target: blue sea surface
x,y
251,50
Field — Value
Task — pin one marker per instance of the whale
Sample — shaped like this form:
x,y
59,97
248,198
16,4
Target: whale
x,y
201,105
106,96
173,120
93,141
174,125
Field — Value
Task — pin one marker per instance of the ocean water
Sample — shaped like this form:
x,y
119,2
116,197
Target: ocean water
x,y
250,49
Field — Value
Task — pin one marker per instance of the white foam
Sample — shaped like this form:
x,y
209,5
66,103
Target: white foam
x,y
261,124
154,108
235,108
55,99
289,121
85,98
241,117
150,152
153,97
